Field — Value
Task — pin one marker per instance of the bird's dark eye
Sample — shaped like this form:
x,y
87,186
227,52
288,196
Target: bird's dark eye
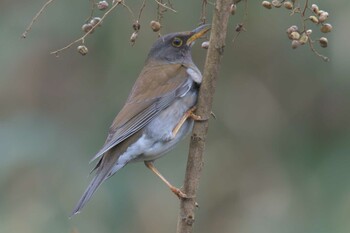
x,y
177,42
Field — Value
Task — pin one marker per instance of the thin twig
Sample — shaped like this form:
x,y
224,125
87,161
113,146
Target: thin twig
x,y
141,9
165,6
24,34
82,39
240,27
204,12
93,4
305,7
129,9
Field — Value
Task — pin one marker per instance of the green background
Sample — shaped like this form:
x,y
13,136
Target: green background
x,y
277,156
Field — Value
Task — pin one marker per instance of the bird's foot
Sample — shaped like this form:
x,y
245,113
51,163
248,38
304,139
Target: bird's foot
x,y
189,114
182,195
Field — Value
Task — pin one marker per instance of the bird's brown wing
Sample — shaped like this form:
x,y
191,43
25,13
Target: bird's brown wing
x,y
155,89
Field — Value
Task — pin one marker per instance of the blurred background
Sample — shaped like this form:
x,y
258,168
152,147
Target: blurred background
x,y
277,156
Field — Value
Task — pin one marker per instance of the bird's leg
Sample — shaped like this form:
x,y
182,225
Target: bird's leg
x,y
175,190
188,114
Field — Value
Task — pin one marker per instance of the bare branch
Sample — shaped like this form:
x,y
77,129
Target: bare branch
x,y
24,34
206,93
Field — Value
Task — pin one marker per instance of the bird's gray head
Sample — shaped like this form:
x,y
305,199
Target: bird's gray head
x,y
176,47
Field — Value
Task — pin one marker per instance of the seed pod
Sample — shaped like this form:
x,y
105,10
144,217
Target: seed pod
x,y
87,27
233,9
276,3
304,38
102,5
205,45
295,44
82,49
313,19
326,28
155,25
136,25
288,5
323,17
291,29
314,8
133,37
320,12
95,21
267,4
308,32
323,42
295,36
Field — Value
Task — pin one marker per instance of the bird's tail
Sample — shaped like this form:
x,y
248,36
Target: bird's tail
x,y
104,171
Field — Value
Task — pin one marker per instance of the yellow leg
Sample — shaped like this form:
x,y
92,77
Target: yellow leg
x,y
175,190
188,114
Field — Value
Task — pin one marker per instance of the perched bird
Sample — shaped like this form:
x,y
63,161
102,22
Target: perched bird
x,y
157,114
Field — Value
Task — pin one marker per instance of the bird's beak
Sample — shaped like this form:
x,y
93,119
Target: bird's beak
x,y
197,33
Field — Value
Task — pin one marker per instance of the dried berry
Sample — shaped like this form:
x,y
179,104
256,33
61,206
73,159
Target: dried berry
x,y
326,28
295,36
291,29
82,49
267,4
276,3
205,45
133,37
288,5
304,38
155,25
102,5
87,27
95,20
233,9
313,19
314,8
295,44
136,26
323,17
323,42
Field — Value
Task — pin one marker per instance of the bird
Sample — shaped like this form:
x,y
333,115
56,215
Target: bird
x,y
158,113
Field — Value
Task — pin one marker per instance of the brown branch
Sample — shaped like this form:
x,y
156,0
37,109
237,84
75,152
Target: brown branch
x,y
205,99
24,34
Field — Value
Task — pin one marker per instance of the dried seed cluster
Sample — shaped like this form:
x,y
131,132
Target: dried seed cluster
x,y
136,27
316,16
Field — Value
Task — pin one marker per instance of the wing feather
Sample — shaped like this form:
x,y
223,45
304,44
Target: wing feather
x,y
155,89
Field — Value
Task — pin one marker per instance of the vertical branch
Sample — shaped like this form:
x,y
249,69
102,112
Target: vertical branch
x,y
206,93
